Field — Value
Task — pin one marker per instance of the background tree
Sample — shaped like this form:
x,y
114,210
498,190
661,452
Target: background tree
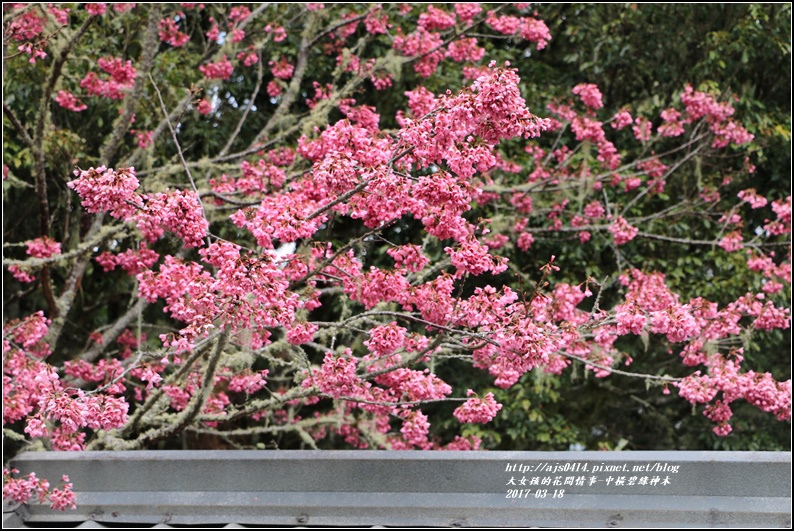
x,y
336,211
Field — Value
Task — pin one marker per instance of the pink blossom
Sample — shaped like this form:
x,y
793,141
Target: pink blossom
x,y
279,33
409,257
377,23
535,30
435,19
248,382
204,107
782,208
149,375
589,94
239,13
60,500
622,231
22,489
381,80
102,189
465,50
594,210
130,260
122,78
170,33
525,241
732,242
214,33
177,211
479,410
249,58
144,138
68,101
337,376
237,35
467,11
621,120
96,9
750,196
697,389
587,129
43,247
506,25
274,89
415,428
672,125
25,27
220,70
730,132
301,333
473,257
282,69
700,104
384,340
36,427
770,317
21,275
421,43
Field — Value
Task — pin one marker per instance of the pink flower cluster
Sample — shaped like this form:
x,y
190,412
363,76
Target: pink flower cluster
x,y
750,196
221,70
104,189
132,261
204,107
621,120
467,11
67,100
337,376
247,291
672,125
249,57
760,390
25,27
622,231
282,69
531,29
435,19
590,95
32,389
424,43
248,382
491,110
701,105
384,340
480,410
110,190
122,77
23,489
409,257
474,258
177,211
43,247
96,9
169,32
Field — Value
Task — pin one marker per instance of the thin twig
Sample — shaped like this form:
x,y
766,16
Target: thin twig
x,y
618,371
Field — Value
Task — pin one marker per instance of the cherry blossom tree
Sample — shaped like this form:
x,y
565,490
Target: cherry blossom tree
x,y
320,220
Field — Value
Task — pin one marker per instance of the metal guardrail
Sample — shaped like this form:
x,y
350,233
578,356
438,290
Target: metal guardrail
x,y
457,489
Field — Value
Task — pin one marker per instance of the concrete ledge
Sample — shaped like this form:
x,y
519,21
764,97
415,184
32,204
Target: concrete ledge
x,y
459,489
